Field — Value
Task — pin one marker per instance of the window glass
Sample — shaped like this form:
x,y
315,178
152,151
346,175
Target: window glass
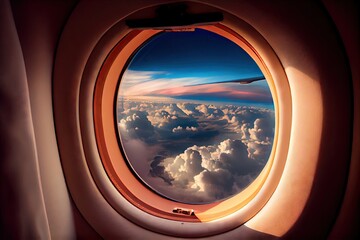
x,y
195,116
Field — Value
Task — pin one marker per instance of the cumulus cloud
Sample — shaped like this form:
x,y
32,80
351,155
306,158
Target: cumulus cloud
x,y
214,185
210,111
165,119
262,131
214,172
188,108
158,170
181,129
259,150
260,139
136,125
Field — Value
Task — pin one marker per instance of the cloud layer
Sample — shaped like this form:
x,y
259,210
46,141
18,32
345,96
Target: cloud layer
x,y
196,152
163,84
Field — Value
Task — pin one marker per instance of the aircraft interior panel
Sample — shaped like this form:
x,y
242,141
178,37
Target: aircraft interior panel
x,y
64,173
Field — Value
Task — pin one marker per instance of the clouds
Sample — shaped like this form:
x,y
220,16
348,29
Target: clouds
x,y
194,87
211,172
214,185
136,125
154,83
180,129
158,122
184,167
261,138
197,152
262,130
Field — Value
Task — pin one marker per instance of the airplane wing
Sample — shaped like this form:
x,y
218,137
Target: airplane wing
x,y
241,81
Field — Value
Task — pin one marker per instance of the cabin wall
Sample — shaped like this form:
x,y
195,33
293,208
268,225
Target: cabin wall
x,y
23,213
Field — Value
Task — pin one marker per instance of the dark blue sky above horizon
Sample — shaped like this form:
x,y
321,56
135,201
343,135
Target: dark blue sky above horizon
x,y
169,64
199,53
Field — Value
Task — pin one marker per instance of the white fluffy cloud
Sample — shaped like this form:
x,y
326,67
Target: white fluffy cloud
x,y
181,129
136,125
260,140
214,172
262,130
210,111
188,108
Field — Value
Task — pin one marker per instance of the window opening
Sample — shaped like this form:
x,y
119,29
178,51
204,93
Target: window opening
x,y
195,116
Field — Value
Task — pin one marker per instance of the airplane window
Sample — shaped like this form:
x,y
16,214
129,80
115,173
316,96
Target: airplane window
x,y
195,116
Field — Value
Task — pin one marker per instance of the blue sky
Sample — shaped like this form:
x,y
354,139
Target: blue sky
x,y
169,63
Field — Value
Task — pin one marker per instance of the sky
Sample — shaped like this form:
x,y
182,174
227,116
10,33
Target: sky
x,y
171,63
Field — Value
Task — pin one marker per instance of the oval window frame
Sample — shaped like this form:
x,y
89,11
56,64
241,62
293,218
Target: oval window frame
x,y
89,184
110,148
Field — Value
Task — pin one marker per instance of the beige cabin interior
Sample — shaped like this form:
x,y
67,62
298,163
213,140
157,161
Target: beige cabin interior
x,y
52,183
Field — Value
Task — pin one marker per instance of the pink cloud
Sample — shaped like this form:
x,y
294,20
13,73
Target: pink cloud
x,y
216,89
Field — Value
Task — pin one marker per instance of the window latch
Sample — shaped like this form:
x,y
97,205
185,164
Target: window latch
x,y
189,212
